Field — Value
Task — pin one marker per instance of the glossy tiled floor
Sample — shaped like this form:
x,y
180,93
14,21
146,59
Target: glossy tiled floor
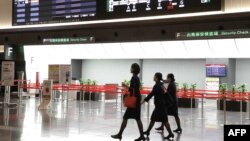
x,y
97,120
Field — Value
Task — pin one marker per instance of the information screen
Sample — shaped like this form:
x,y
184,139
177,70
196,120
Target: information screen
x,y
27,12
216,70
133,8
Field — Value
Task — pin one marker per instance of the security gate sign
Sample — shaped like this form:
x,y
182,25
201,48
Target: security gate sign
x,y
8,73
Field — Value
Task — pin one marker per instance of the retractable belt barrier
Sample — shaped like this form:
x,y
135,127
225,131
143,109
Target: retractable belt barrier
x,y
189,94
206,94
7,92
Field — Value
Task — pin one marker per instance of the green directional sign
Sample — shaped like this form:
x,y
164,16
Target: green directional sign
x,y
71,40
213,34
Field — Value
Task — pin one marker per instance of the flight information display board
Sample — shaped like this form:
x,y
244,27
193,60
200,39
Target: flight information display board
x,y
215,70
26,12
133,8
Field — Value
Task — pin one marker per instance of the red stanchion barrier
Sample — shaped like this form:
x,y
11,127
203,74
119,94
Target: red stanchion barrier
x,y
206,94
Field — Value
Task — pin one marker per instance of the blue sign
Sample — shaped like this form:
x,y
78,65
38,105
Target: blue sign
x,y
215,70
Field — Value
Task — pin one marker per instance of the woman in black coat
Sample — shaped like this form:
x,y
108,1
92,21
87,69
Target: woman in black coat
x,y
173,109
133,113
160,112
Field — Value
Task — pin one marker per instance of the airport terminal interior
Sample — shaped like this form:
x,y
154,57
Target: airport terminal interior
x,y
77,70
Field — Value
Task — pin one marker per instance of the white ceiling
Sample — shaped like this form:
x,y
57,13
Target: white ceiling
x,y
220,48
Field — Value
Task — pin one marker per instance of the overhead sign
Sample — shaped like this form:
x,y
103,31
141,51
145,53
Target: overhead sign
x,y
29,12
216,70
213,34
73,40
9,53
8,73
139,8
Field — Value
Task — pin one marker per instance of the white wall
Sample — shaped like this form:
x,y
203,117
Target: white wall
x,y
116,71
185,70
39,57
243,72
107,71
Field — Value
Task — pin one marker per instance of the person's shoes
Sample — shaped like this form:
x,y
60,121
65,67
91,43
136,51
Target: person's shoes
x,y
170,137
146,133
178,130
159,128
140,138
118,136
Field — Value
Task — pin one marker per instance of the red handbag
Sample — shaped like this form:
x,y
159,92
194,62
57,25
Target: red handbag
x,y
130,101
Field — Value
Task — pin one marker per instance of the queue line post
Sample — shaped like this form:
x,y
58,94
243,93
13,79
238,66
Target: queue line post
x,y
248,103
224,107
191,98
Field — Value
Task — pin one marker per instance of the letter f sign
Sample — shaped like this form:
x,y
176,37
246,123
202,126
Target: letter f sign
x,y
10,50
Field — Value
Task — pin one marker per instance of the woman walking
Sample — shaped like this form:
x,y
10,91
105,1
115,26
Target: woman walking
x,y
160,112
133,113
173,110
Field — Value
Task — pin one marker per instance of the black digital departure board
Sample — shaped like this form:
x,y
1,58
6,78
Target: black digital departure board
x,y
135,8
27,12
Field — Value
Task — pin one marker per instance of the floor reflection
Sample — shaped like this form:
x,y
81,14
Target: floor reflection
x,y
97,120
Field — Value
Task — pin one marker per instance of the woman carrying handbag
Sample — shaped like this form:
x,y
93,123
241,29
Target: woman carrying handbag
x,y
135,112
